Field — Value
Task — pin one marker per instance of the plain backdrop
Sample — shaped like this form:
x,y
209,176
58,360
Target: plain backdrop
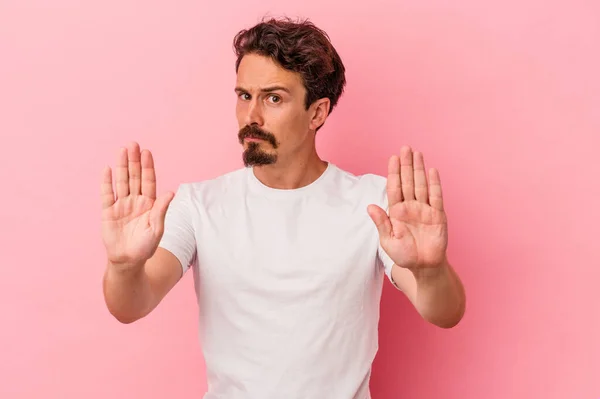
x,y
503,97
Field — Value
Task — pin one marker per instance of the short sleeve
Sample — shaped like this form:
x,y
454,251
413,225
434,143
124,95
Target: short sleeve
x,y
383,257
386,261
179,237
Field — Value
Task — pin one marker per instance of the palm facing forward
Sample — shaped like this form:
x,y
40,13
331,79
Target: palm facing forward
x,y
414,232
133,220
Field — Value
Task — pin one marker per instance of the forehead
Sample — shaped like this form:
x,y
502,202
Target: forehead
x,y
256,72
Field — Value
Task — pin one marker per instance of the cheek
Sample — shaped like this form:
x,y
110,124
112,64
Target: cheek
x,y
239,113
289,125
301,122
298,117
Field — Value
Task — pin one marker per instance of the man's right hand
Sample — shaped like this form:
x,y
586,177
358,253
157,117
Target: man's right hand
x,y
132,217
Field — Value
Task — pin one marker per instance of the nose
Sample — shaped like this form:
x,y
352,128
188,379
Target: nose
x,y
254,113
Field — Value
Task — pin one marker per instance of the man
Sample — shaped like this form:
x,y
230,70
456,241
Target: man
x,y
288,253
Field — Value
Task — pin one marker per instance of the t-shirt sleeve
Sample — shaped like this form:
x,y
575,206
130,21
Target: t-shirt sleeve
x,y
179,236
387,263
385,260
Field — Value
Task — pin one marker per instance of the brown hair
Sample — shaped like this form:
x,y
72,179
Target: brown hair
x,y
299,47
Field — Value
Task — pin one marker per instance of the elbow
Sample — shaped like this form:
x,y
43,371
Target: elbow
x,y
125,319
121,316
446,324
444,319
450,322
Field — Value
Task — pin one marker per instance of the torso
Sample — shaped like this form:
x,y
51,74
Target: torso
x,y
289,284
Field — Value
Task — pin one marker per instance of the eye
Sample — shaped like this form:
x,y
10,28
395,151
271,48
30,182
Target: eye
x,y
275,98
244,96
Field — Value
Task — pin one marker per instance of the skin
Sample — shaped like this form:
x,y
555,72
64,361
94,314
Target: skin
x,y
282,113
270,99
414,233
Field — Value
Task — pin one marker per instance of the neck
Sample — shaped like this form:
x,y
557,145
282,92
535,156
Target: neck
x,y
295,173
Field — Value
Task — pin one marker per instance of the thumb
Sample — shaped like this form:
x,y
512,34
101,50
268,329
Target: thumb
x,y
381,220
159,210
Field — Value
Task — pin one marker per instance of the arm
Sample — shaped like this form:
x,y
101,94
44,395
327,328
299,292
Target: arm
x,y
437,293
413,236
148,239
131,293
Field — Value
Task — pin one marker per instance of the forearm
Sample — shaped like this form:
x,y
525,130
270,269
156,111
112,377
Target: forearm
x,y
440,296
128,293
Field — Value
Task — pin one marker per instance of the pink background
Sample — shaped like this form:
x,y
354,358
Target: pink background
x,y
502,96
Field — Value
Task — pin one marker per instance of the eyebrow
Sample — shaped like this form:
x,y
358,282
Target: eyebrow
x,y
265,89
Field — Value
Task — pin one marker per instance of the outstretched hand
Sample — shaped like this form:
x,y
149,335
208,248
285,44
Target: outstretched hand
x,y
414,232
132,216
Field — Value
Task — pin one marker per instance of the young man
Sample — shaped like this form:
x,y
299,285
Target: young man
x,y
288,253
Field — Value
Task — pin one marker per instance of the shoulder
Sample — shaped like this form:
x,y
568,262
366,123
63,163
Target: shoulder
x,y
365,182
370,186
211,188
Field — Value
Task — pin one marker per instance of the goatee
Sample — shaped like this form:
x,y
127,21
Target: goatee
x,y
254,155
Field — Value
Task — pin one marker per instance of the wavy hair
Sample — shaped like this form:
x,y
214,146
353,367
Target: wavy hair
x,y
297,46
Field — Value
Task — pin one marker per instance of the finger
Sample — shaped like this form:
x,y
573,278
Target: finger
x,y
420,178
406,173
122,174
148,175
159,211
394,189
381,220
135,169
435,190
106,189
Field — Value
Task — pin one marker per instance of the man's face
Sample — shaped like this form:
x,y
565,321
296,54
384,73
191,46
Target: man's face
x,y
274,124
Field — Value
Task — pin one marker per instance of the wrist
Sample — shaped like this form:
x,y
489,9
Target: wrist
x,y
128,270
432,272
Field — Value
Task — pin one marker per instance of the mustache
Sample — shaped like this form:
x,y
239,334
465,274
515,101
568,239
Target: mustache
x,y
254,131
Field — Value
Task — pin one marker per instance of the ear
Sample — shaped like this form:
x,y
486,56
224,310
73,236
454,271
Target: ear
x,y
320,112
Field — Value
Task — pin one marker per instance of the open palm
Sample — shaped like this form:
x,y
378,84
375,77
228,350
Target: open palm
x,y
414,232
133,220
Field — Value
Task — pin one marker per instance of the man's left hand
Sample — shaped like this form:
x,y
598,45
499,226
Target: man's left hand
x,y
414,232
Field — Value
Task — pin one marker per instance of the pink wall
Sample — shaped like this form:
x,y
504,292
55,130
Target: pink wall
x,y
502,96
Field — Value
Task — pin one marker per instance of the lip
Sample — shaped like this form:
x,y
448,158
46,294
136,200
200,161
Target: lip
x,y
253,139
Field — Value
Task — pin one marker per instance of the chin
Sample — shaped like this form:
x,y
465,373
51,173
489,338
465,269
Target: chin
x,y
258,159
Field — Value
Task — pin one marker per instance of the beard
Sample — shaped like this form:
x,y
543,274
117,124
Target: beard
x,y
255,154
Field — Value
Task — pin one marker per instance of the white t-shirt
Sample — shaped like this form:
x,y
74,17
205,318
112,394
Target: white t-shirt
x,y
288,282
